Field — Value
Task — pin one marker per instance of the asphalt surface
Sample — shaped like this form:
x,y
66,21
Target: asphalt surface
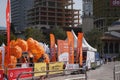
x,y
104,72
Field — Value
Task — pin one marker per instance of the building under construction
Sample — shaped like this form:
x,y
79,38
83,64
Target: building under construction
x,y
52,13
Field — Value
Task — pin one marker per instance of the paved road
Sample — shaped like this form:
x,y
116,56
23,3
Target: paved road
x,y
105,72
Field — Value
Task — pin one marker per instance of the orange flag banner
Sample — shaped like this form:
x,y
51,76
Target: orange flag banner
x,y
71,46
52,48
62,46
79,49
8,28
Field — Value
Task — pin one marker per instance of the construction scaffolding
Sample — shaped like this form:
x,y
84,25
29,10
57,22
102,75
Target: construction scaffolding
x,y
53,13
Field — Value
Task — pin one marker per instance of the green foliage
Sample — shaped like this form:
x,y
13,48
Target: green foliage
x,y
35,34
2,39
12,36
12,28
93,38
59,33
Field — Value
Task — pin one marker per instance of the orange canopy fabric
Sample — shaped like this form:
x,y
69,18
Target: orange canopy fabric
x,y
31,46
23,44
13,62
16,51
30,42
35,48
12,43
47,60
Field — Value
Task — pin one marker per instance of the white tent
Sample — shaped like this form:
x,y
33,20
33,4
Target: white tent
x,y
90,48
85,45
90,51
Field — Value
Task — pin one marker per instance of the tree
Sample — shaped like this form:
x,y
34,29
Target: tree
x,y
93,38
12,28
2,39
35,34
12,36
59,33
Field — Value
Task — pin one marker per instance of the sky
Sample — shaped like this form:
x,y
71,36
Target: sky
x,y
77,5
2,12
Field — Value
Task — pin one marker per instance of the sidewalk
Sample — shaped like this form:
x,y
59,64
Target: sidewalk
x,y
105,72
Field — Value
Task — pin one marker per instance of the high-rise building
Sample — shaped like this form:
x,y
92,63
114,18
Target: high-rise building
x,y
105,13
19,12
87,17
52,13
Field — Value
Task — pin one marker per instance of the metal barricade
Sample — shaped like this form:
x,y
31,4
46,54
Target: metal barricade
x,y
116,72
19,65
33,78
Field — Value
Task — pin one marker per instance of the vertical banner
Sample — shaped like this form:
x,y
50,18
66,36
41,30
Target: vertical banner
x,y
71,46
63,50
52,48
79,49
8,28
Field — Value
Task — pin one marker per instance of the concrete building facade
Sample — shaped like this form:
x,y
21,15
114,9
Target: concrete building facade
x,y
111,40
19,13
53,13
87,17
105,13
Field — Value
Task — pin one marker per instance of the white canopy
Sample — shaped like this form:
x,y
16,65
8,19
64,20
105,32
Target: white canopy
x,y
85,45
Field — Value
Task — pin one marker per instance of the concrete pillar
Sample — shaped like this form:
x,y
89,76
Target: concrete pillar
x,y
47,11
108,47
56,14
119,47
113,47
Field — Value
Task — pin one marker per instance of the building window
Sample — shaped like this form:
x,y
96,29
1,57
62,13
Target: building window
x,y
52,4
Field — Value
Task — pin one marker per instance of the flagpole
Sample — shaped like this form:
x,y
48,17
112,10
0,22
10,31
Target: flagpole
x,y
8,29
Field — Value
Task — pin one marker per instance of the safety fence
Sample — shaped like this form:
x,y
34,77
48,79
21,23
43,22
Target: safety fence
x,y
26,71
116,72
44,76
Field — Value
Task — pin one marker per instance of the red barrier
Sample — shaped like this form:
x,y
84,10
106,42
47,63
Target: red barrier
x,y
13,73
1,74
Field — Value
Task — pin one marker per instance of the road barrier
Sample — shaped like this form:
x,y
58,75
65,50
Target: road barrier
x,y
116,72
79,78
48,70
27,71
